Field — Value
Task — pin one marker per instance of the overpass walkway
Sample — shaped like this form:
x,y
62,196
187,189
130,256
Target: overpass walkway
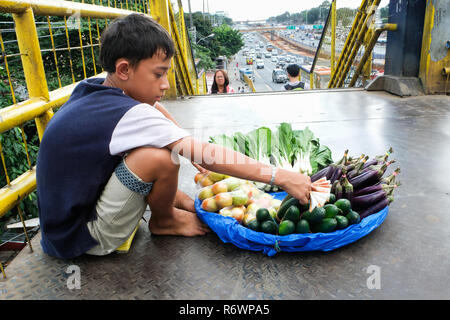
x,y
410,248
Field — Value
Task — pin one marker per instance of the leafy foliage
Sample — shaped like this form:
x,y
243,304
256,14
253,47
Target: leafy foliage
x,y
226,40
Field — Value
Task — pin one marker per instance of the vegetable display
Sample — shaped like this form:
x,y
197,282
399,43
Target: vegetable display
x,y
294,150
337,200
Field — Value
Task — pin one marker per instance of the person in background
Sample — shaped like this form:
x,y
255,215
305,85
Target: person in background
x,y
293,71
221,83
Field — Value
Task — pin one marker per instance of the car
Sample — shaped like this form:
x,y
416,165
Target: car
x,y
248,72
259,64
281,65
274,59
267,55
258,55
279,76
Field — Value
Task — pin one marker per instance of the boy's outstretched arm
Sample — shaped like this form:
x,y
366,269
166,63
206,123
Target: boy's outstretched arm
x,y
223,160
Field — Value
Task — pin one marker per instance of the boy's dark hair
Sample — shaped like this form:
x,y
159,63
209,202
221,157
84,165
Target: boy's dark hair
x,y
293,70
134,37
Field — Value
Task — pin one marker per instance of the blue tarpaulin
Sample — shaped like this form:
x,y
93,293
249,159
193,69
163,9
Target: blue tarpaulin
x,y
230,230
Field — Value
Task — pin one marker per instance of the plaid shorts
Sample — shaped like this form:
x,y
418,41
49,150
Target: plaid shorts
x,y
119,210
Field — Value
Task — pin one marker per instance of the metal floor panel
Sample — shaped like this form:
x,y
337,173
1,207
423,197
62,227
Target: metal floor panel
x,y
411,248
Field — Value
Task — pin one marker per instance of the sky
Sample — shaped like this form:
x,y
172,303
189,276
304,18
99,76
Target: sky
x,y
240,10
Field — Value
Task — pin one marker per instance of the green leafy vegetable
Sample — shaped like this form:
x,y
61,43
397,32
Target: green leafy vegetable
x,y
295,150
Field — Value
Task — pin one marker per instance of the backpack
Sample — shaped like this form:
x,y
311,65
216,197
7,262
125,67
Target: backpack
x,y
299,86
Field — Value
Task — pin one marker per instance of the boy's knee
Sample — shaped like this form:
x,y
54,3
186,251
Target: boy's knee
x,y
149,163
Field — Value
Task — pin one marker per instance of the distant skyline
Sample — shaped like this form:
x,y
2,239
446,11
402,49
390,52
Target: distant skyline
x,y
241,10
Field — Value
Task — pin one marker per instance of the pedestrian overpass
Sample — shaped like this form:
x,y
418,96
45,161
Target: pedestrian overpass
x,y
407,108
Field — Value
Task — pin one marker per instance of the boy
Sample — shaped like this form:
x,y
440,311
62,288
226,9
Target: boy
x,y
293,70
110,151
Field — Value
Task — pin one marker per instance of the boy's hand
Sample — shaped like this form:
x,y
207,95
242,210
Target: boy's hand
x,y
199,168
296,184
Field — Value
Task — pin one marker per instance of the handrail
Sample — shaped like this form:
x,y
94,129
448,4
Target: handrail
x,y
61,8
249,82
369,48
41,102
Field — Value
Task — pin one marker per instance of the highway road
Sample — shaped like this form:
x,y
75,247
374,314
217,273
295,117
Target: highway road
x,y
263,76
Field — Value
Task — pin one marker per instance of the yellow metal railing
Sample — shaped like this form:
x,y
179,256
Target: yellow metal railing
x,y
354,45
47,88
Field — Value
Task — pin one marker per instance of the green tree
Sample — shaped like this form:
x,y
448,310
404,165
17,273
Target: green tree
x,y
229,40
203,55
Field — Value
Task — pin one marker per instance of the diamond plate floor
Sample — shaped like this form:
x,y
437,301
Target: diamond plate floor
x,y
411,248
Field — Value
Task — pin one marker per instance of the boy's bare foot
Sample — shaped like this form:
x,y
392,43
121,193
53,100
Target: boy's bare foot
x,y
180,223
183,201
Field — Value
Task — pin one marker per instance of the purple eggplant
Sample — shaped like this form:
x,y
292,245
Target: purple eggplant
x,y
343,159
336,174
390,179
370,162
367,200
331,171
321,173
367,178
378,166
359,166
374,188
338,190
333,186
379,159
347,188
376,207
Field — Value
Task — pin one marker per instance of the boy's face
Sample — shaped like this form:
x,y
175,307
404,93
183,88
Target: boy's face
x,y
148,81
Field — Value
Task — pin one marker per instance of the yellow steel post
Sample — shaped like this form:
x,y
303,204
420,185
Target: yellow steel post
x,y
33,66
348,43
311,80
205,84
333,34
183,27
361,33
182,63
159,10
3,270
368,50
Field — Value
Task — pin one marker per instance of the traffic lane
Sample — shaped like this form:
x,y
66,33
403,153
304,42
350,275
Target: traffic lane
x,y
263,76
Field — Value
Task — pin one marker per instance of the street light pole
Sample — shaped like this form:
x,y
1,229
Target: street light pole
x,y
209,36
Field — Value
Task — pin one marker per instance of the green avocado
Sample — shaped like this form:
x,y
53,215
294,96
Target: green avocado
x,y
353,217
302,226
262,214
269,227
292,214
254,225
344,205
342,222
286,227
332,198
326,225
331,210
316,215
